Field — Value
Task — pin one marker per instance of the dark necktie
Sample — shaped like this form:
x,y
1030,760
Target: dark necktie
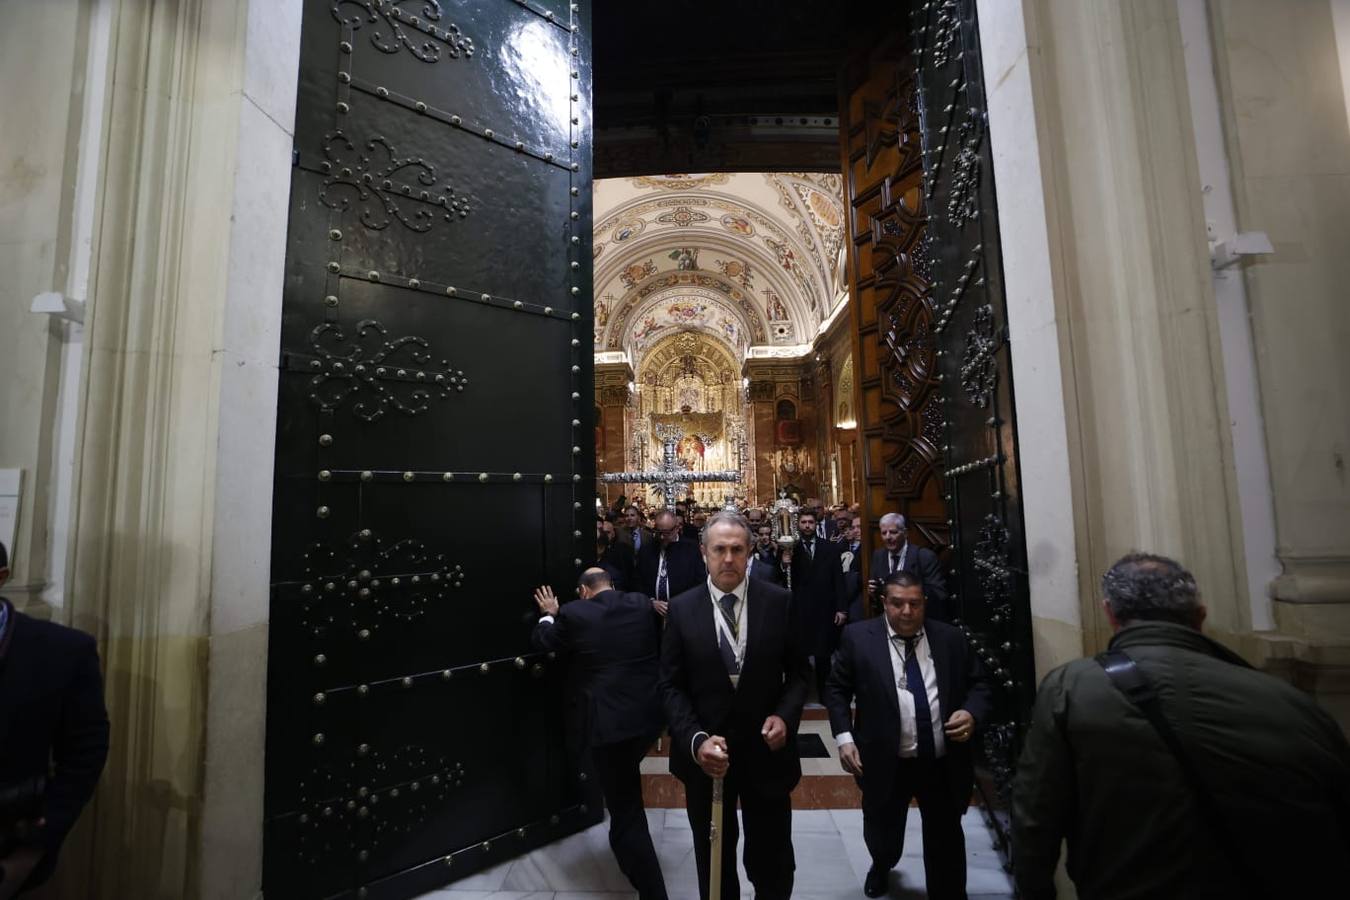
x,y
895,561
727,606
923,714
811,549
662,578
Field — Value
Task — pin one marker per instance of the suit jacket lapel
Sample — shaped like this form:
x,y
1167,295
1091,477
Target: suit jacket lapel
x,y
703,625
756,613
881,653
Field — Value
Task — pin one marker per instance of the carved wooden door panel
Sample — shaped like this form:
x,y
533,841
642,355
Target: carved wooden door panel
x,y
936,415
900,420
435,445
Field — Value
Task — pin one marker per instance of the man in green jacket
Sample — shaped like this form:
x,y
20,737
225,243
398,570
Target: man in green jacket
x,y
1094,771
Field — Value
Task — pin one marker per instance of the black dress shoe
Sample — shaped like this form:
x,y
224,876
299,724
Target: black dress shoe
x,y
875,884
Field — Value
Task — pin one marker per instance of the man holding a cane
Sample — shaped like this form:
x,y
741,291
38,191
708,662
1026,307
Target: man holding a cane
x,y
734,680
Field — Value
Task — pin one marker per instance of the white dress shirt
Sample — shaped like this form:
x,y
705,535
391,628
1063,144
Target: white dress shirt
x,y
909,737
897,560
742,630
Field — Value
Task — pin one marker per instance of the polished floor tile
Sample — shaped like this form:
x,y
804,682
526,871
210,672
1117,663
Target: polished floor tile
x,y
831,863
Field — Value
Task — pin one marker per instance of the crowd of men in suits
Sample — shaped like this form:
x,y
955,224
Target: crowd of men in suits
x,y
1140,760
706,626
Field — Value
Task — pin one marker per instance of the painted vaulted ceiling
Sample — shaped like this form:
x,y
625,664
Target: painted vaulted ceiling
x,y
750,259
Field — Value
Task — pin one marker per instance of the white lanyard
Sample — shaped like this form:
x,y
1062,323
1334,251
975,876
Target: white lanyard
x,y
900,565
736,641
896,642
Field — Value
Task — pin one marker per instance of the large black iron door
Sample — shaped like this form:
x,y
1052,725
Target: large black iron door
x,y
434,450
983,491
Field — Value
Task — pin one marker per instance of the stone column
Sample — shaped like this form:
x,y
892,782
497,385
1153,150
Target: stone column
x,y
171,501
1288,141
1121,406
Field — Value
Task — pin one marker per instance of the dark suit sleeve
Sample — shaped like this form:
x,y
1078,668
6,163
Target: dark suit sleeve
x,y
837,585
796,673
555,636
674,684
839,685
934,585
80,749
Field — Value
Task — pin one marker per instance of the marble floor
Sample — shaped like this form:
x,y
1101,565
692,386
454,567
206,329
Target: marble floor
x,y
831,863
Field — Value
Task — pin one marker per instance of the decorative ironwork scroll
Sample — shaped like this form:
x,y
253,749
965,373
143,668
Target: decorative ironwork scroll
x,y
987,556
391,15
399,375
392,181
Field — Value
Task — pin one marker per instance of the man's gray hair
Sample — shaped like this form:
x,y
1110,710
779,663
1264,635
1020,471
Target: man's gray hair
x,y
893,519
728,517
1144,586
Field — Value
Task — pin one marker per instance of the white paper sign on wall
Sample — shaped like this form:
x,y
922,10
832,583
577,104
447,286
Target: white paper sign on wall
x,y
10,481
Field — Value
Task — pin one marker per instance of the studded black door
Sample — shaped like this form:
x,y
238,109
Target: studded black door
x,y
987,554
434,457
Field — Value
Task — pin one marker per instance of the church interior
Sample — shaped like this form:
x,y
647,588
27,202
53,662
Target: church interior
x,y
329,326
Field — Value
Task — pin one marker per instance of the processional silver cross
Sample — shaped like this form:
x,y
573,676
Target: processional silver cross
x,y
672,474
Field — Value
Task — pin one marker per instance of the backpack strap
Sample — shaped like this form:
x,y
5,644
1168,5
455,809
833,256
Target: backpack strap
x,y
1139,691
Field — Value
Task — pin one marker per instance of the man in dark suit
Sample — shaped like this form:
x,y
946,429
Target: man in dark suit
x,y
764,561
734,680
53,736
818,592
921,693
613,639
668,566
630,532
613,556
852,559
898,554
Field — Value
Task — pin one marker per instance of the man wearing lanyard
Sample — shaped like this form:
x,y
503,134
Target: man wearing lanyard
x,y
897,554
734,680
905,674
668,566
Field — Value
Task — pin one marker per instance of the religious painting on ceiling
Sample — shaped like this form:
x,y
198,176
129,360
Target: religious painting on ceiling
x,y
636,272
686,258
738,225
627,229
734,268
786,257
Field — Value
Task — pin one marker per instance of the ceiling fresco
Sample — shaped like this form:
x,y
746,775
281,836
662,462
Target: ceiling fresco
x,y
750,258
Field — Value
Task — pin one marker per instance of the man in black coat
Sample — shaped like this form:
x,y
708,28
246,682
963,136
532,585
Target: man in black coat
x,y
734,681
613,556
668,566
54,727
613,639
852,560
920,695
764,561
898,554
819,594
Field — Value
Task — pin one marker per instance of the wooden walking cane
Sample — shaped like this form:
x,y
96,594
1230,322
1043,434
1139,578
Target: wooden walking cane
x,y
715,839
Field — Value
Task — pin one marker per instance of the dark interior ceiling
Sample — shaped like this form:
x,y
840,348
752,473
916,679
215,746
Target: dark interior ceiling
x,y
707,86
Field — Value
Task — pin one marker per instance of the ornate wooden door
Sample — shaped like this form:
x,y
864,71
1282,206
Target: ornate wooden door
x,y
936,417
435,445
